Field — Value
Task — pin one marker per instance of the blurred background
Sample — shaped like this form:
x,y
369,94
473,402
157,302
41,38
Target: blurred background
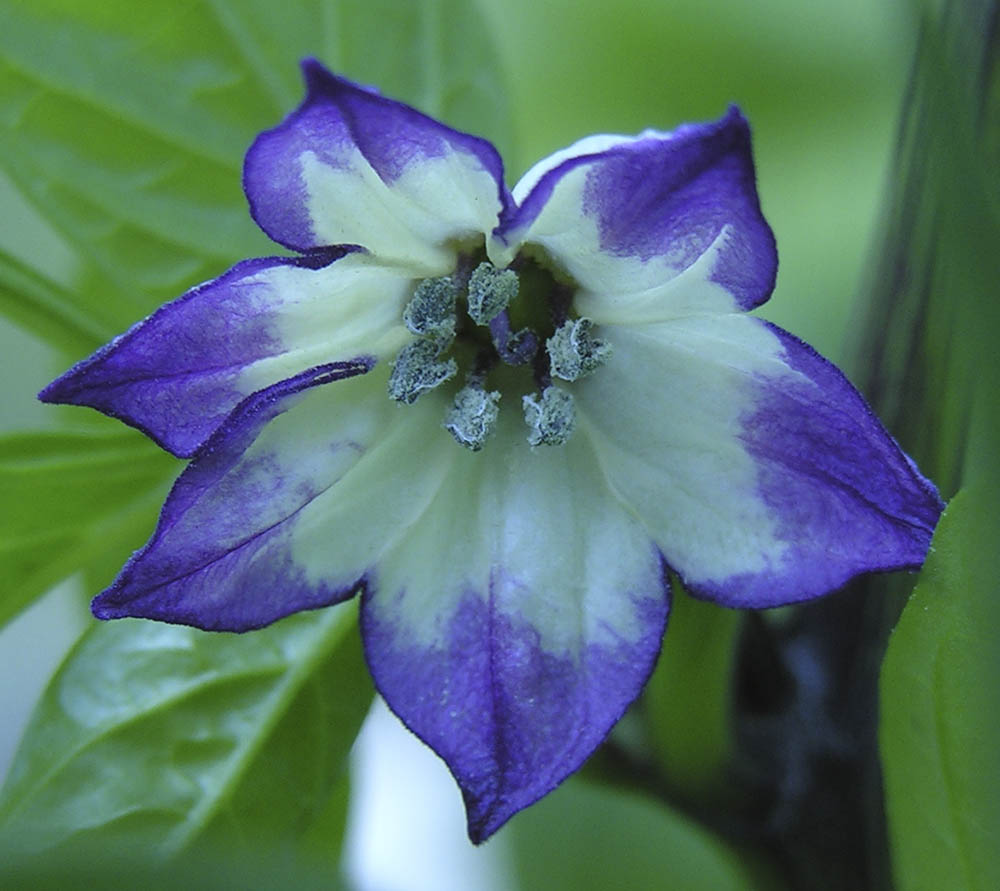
x,y
822,85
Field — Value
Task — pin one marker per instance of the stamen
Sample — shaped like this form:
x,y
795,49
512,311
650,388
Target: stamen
x,y
551,418
573,353
473,416
431,310
490,291
514,348
417,369
519,305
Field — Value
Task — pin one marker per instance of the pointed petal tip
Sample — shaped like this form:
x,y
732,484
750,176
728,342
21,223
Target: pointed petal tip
x,y
312,69
317,77
523,718
222,557
488,813
305,177
482,828
321,81
487,816
66,389
734,115
74,387
101,608
52,393
628,215
176,375
737,126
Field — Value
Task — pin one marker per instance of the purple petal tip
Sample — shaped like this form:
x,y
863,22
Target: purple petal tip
x,y
320,80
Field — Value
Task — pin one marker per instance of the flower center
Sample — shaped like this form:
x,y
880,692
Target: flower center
x,y
512,328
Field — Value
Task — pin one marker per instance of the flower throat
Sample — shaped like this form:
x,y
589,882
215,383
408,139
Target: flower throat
x,y
480,324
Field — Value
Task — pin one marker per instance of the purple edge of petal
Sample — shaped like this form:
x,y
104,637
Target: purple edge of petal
x,y
481,829
65,389
934,499
529,209
732,122
322,85
244,412
723,594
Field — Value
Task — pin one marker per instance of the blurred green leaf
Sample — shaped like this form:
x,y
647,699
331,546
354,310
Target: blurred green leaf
x,y
156,737
42,306
939,726
928,339
124,127
295,791
71,501
687,702
111,869
585,836
930,364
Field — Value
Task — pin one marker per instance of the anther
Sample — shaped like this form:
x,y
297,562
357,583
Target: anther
x,y
418,369
490,291
431,310
472,418
573,353
550,418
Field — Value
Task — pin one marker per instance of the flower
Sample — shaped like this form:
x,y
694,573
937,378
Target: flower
x,y
500,416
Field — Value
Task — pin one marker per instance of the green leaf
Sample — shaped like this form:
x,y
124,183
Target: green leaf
x,y
38,300
939,730
123,129
71,501
687,702
928,339
585,836
43,307
111,869
438,55
933,318
156,737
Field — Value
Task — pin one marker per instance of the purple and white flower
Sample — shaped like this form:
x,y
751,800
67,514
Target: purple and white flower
x,y
503,418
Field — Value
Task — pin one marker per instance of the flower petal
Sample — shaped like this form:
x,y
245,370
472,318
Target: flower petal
x,y
654,226
351,167
757,468
287,506
515,622
177,374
